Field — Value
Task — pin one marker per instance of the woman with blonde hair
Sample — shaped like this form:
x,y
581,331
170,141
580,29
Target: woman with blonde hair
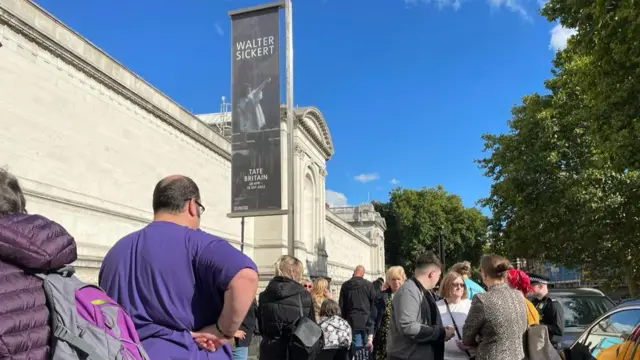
x,y
454,308
464,269
279,308
319,293
378,324
497,319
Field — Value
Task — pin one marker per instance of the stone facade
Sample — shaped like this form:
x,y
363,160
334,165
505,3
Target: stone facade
x,y
89,139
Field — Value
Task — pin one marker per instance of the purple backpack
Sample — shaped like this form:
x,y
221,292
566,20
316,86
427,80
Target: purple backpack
x,y
86,323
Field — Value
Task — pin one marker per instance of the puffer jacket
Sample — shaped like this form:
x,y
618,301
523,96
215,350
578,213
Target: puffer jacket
x,y
278,310
36,243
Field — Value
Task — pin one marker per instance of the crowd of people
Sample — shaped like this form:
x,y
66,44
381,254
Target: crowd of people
x,y
192,295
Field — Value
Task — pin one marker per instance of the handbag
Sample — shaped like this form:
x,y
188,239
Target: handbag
x,y
307,339
455,326
537,345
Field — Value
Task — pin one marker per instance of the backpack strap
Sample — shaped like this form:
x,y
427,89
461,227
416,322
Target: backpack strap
x,y
62,333
300,305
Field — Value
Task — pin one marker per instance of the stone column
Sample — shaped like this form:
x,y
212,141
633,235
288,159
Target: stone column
x,y
323,202
299,245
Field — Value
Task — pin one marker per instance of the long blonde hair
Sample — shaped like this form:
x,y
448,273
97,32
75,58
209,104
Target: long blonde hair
x,y
320,286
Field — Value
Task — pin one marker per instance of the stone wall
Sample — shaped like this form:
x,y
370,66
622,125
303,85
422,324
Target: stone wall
x,y
343,253
89,139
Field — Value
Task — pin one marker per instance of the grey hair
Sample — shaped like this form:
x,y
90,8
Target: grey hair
x,y
12,199
329,308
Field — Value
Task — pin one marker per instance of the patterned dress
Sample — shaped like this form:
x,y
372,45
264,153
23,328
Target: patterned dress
x,y
380,343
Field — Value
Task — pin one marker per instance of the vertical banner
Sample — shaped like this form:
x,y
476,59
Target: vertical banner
x,y
255,98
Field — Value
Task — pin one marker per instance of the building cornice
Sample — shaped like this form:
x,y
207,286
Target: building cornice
x,y
343,225
320,135
38,26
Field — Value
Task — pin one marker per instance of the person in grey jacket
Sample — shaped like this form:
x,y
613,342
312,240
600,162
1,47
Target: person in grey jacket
x,y
497,320
415,329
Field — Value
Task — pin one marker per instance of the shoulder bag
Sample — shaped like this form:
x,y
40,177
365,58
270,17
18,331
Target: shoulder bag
x,y
455,326
307,340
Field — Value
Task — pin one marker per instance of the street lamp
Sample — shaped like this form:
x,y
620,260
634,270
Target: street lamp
x,y
441,247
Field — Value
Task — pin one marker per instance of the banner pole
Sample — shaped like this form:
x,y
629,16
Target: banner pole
x,y
242,235
290,126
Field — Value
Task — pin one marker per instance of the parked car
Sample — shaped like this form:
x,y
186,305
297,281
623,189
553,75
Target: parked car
x,y
614,335
581,307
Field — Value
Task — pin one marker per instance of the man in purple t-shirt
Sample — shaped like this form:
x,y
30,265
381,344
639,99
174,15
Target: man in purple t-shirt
x,y
175,279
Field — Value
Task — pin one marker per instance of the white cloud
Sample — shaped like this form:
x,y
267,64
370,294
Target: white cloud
x,y
512,5
559,37
394,181
365,178
219,29
441,4
335,199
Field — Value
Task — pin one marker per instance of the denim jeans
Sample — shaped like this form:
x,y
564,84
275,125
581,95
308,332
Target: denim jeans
x,y
358,339
240,353
358,345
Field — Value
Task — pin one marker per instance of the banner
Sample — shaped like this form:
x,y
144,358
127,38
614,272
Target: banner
x,y
255,100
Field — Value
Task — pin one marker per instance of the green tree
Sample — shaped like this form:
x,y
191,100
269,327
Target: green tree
x,y
567,175
415,219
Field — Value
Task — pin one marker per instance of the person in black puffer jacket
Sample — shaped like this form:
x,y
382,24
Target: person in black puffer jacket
x,y
279,308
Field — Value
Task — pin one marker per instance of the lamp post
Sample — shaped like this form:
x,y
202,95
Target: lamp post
x,y
242,234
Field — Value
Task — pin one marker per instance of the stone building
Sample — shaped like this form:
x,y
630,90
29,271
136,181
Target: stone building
x,y
89,139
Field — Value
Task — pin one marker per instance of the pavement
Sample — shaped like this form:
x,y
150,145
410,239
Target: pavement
x,y
254,348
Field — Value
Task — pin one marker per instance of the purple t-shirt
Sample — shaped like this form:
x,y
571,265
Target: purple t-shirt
x,y
171,280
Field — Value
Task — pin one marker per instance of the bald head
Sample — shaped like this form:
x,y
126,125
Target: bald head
x,y
173,192
359,271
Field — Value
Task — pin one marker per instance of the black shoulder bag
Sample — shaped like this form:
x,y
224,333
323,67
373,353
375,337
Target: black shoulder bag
x,y
455,326
306,340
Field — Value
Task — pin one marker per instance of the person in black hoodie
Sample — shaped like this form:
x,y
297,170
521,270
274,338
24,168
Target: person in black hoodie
x,y
279,308
244,335
356,298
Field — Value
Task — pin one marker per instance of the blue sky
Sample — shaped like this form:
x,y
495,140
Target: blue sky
x,y
407,86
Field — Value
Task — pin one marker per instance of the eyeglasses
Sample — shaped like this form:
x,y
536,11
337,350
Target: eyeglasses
x,y
457,285
200,206
308,286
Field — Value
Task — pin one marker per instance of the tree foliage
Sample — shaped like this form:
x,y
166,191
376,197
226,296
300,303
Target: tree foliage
x,y
567,175
415,219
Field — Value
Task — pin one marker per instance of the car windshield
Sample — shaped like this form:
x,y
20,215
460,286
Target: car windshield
x,y
580,310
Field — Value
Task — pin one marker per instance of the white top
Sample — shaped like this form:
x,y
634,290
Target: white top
x,y
460,312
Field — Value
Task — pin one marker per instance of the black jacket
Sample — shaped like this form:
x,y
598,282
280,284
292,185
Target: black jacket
x,y
552,316
249,326
356,298
377,311
278,310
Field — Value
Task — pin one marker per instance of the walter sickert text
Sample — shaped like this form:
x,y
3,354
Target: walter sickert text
x,y
258,47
